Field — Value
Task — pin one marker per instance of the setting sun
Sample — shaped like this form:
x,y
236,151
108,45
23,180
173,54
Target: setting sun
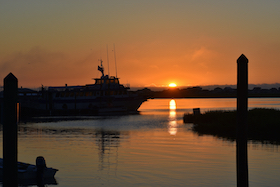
x,y
172,85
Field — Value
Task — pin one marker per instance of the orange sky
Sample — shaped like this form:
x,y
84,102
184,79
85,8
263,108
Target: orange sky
x,y
157,42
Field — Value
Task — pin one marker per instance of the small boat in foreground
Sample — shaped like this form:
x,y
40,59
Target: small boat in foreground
x,y
29,171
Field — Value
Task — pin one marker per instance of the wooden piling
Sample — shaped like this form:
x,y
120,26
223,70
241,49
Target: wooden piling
x,y
10,139
242,125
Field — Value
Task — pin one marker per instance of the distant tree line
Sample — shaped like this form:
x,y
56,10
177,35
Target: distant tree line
x,y
199,92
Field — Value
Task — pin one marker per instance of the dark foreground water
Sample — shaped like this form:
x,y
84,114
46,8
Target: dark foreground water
x,y
154,148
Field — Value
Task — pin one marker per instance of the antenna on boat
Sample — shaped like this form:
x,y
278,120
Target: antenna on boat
x,y
108,61
100,68
115,61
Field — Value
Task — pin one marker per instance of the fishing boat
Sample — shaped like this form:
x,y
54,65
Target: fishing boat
x,y
105,96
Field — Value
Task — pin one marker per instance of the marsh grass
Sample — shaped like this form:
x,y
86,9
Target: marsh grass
x,y
263,124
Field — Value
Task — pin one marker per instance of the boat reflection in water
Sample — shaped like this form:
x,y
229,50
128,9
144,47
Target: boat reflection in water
x,y
172,124
107,143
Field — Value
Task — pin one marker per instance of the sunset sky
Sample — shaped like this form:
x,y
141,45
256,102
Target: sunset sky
x,y
188,42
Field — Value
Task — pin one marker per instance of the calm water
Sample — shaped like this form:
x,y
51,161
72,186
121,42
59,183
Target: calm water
x,y
154,148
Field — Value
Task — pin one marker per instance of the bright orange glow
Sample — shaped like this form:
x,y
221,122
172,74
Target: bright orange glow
x,y
172,85
172,105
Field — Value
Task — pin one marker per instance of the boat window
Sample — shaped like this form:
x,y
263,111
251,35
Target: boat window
x,y
111,92
57,94
87,93
112,81
62,94
81,94
102,81
67,94
107,81
90,93
72,94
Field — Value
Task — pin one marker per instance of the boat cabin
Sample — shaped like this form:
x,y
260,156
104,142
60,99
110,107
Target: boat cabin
x,y
107,80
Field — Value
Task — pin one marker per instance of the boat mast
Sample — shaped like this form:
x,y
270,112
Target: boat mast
x,y
115,61
108,61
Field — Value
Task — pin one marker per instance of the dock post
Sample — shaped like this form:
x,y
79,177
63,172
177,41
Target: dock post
x,y
10,139
242,125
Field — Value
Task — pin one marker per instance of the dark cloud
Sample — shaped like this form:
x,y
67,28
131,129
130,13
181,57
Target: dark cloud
x,y
35,63
34,57
41,66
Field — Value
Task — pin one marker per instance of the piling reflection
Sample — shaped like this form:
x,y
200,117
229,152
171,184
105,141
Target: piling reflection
x,y
172,125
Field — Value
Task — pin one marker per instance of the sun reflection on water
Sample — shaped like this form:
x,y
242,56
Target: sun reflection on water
x,y
172,125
